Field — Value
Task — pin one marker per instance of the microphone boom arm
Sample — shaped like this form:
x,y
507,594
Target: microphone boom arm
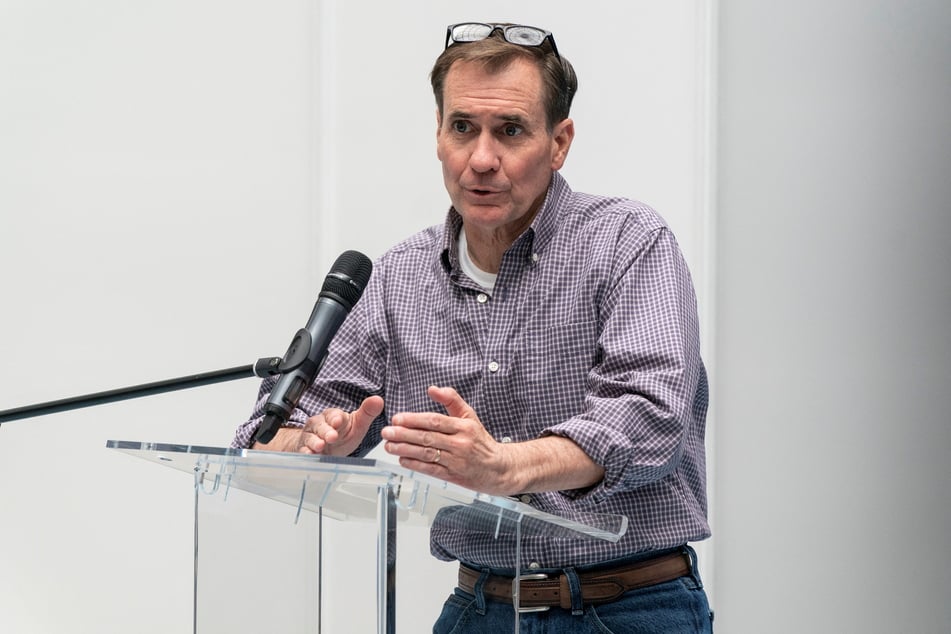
x,y
262,368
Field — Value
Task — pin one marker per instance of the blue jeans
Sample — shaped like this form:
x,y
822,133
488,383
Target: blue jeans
x,y
679,606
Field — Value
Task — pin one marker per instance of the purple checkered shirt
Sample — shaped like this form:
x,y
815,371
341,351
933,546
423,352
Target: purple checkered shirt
x,y
590,333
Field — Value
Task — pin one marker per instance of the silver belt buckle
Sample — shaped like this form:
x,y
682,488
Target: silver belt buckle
x,y
536,576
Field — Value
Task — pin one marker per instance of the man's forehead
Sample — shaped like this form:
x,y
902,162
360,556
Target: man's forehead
x,y
470,85
476,72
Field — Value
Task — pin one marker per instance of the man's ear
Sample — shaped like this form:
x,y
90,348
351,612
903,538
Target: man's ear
x,y
561,138
438,132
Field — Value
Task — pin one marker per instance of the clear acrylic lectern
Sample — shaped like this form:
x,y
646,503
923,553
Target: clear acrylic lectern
x,y
234,486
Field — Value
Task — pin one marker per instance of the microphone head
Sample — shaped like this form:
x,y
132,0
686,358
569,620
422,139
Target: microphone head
x,y
347,278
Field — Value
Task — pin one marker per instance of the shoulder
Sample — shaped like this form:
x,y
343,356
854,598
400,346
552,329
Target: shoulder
x,y
589,209
412,255
574,212
620,226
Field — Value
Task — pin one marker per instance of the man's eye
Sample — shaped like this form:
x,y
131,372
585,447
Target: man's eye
x,y
460,126
512,130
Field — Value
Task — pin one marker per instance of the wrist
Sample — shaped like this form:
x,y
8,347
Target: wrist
x,y
510,469
287,439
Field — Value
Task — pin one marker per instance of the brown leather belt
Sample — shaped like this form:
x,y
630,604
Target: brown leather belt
x,y
597,586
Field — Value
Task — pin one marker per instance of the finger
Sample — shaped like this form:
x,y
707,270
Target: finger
x,y
450,399
416,455
335,423
433,457
322,429
369,410
404,423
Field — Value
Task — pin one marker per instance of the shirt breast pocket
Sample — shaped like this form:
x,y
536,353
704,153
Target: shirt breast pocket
x,y
554,363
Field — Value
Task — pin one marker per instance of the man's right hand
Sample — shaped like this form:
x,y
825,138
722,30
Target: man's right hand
x,y
333,432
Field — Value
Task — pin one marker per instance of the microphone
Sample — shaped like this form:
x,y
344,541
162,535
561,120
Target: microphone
x,y
342,288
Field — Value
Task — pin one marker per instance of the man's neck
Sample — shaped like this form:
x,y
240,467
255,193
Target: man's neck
x,y
486,247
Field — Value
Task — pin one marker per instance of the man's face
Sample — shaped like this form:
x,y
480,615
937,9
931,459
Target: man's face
x,y
496,151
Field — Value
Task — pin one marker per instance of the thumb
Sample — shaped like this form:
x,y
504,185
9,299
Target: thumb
x,y
450,399
370,408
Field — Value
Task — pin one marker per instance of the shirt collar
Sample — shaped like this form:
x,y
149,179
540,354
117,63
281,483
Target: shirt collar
x,y
540,232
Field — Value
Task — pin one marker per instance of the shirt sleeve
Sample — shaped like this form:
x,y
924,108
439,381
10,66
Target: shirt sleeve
x,y
648,389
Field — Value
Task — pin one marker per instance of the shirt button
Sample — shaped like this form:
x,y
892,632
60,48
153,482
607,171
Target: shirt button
x,y
506,439
534,257
493,366
525,498
482,298
534,565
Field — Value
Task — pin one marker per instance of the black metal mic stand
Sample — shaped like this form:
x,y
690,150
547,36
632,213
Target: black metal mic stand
x,y
261,368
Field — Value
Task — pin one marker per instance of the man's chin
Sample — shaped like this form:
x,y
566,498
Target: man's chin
x,y
482,214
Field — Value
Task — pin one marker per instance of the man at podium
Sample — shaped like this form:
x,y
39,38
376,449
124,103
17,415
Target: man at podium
x,y
540,343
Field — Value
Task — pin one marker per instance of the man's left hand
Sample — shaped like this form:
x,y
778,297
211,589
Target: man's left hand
x,y
454,447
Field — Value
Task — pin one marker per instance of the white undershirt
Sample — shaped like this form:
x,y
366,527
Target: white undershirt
x,y
477,275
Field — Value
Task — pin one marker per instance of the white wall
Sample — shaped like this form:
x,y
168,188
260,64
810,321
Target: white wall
x,y
175,180
157,167
834,303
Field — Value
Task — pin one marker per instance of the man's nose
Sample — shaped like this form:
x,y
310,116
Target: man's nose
x,y
485,155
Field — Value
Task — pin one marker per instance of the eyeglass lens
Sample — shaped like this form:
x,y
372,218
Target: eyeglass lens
x,y
473,32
